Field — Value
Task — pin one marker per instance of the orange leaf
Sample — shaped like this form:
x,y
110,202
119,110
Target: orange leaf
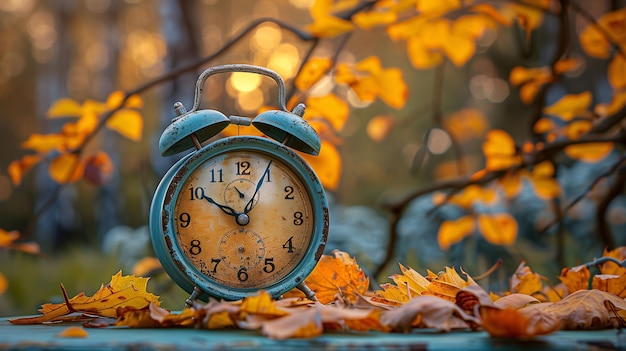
x,y
329,26
576,278
612,267
379,127
586,309
459,49
466,123
615,284
129,123
566,65
617,71
65,108
543,182
570,106
305,324
312,71
437,7
453,231
42,143
391,87
146,265
261,304
617,103
511,184
337,275
498,229
4,284
524,281
590,152
17,168
329,107
447,284
73,332
508,323
327,165
7,238
66,168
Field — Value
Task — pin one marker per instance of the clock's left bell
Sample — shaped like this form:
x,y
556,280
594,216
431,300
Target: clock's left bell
x,y
190,129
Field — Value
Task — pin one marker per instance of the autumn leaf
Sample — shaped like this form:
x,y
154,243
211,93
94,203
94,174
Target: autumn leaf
x,y
4,284
312,71
570,106
612,283
261,304
122,291
379,127
525,281
530,80
325,25
9,240
327,165
576,278
453,231
612,267
585,309
18,168
329,107
515,301
511,323
337,275
370,19
427,311
500,150
466,123
146,265
306,324
617,71
587,152
498,228
66,168
128,123
594,40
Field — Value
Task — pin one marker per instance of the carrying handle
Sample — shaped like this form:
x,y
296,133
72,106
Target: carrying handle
x,y
238,67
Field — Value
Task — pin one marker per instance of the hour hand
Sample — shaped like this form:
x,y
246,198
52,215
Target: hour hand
x,y
229,211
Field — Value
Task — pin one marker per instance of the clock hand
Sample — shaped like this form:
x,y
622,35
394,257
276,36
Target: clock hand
x,y
229,211
258,186
241,195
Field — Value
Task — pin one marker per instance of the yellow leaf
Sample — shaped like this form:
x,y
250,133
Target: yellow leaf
x,y
498,229
590,152
617,71
391,87
42,143
593,39
66,168
128,123
466,123
122,291
439,7
379,127
337,275
617,103
566,65
594,42
544,125
73,332
312,71
146,265
327,165
524,281
17,168
421,56
371,19
115,100
453,231
500,150
471,194
491,12
459,49
261,304
329,107
511,184
65,108
7,238
612,267
570,106
412,27
329,26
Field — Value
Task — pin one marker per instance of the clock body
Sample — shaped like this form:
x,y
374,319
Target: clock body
x,y
239,215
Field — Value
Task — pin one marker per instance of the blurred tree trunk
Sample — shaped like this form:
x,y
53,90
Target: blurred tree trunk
x,y
58,223
180,37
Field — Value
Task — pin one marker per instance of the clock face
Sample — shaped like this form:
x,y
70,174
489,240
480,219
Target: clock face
x,y
244,219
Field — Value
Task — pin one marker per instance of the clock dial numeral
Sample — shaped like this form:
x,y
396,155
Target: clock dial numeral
x,y
219,174
269,265
215,262
289,190
195,248
297,218
242,275
288,245
243,168
196,193
185,219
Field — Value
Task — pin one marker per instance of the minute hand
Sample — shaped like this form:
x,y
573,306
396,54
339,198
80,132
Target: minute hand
x,y
258,186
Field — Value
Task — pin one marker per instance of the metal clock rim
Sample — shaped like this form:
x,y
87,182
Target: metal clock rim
x,y
163,232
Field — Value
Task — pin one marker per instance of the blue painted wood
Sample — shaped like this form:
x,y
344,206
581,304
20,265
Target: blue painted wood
x,y
44,337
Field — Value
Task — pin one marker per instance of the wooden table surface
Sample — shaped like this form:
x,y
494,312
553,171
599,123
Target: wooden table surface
x,y
44,337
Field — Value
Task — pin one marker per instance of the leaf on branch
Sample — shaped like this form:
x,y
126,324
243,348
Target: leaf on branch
x,y
370,19
466,123
325,25
65,108
500,151
122,291
128,123
327,165
593,39
570,106
66,168
617,71
4,284
587,152
617,103
612,267
453,231
18,168
114,100
8,240
530,80
312,71
498,228
379,127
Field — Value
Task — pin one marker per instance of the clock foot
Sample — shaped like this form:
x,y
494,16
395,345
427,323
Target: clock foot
x,y
193,297
307,291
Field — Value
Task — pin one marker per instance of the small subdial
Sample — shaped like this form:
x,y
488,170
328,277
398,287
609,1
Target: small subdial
x,y
241,248
238,192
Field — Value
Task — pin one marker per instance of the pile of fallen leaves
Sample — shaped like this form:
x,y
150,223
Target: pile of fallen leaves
x,y
444,301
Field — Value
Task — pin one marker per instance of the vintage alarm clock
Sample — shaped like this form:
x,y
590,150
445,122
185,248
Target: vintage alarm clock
x,y
243,213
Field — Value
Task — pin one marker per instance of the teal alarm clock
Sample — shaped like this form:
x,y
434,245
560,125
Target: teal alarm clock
x,y
242,213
